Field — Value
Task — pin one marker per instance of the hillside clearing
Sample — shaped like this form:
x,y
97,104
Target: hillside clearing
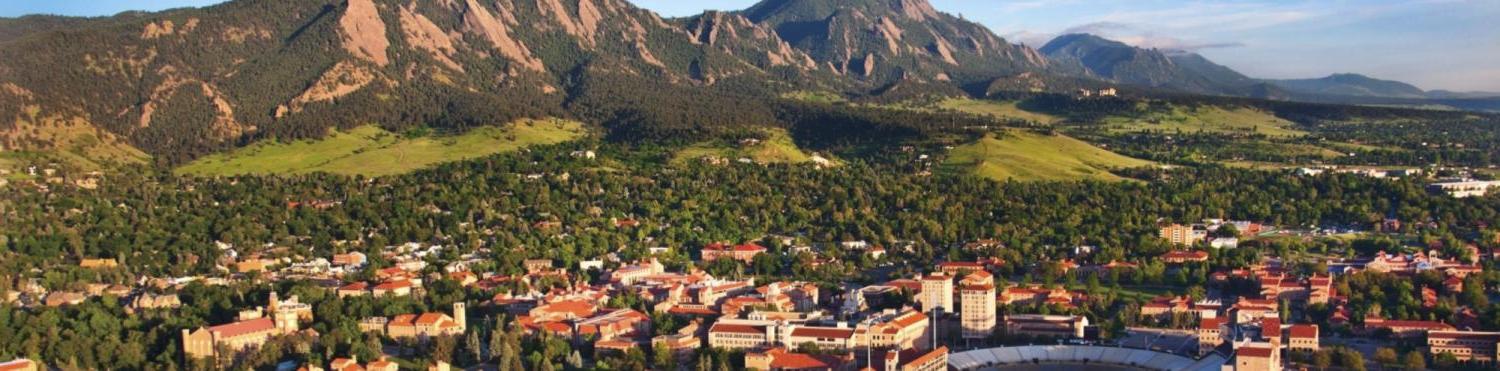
x,y
776,148
372,151
1004,110
1212,119
1025,156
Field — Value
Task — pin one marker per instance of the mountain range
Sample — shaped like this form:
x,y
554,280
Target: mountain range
x,y
182,83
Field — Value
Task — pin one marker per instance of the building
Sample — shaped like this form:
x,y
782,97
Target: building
x,y
912,360
1464,188
1270,331
1184,234
1302,338
893,329
1466,345
621,323
98,263
1257,357
1210,334
937,292
728,335
835,338
235,337
19,365
252,330
1405,329
393,288
1045,325
1167,306
427,325
977,305
744,253
779,359
1187,256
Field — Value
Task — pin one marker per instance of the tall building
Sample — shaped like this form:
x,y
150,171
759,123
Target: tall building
x,y
1184,234
977,305
937,291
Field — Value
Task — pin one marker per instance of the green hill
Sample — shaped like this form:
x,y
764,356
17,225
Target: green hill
x,y
372,151
776,148
1026,156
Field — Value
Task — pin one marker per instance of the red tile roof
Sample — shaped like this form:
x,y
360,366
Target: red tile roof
x,y
243,327
1260,352
1303,331
737,329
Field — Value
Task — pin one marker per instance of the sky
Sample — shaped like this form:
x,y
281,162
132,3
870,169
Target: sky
x,y
1434,44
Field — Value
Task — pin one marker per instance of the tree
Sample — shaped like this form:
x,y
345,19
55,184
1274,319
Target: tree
x,y
1414,361
1322,359
1385,356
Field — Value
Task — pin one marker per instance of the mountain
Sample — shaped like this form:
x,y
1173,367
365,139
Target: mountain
x,y
187,82
885,41
1111,60
1352,85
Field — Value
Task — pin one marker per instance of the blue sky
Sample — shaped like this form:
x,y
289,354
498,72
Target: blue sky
x,y
1435,44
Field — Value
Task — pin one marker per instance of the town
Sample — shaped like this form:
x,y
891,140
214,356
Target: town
x,y
1187,309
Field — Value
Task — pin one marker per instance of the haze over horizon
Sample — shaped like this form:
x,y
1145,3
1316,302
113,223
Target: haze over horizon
x,y
1433,44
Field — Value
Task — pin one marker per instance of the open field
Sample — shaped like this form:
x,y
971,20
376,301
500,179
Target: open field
x,y
997,109
372,151
1026,156
777,148
1206,120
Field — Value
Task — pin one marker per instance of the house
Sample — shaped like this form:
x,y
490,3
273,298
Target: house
x,y
392,288
63,298
148,301
1466,345
779,359
744,253
1046,325
537,265
354,289
351,260
1302,338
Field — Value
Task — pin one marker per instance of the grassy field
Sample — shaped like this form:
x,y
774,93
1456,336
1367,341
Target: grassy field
x,y
1207,120
372,151
997,109
1026,156
815,96
778,148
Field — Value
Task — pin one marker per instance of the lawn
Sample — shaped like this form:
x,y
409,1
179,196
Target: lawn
x,y
997,109
372,151
777,148
1209,119
1026,156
